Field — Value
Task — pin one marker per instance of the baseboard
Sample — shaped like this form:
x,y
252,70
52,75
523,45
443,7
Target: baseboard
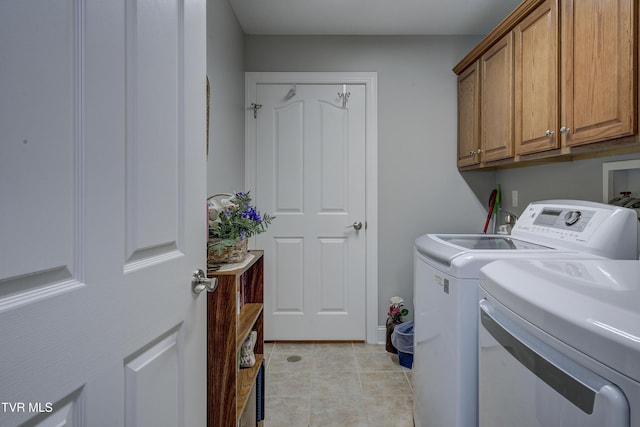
x,y
382,334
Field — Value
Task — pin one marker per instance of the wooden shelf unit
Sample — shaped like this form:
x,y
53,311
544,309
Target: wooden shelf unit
x,y
229,387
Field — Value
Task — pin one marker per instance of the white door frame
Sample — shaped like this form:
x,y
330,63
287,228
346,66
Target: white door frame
x,y
370,80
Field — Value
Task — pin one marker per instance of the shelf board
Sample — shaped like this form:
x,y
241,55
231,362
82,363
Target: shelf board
x,y
248,316
246,380
257,254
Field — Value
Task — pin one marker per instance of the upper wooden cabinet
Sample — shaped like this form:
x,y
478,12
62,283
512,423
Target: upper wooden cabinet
x,y
573,81
496,94
469,116
599,70
536,74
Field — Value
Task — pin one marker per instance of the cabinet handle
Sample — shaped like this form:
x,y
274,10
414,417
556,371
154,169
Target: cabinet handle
x,y
549,133
471,153
565,129
479,151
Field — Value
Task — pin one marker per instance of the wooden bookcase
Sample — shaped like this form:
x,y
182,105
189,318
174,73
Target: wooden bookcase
x,y
230,389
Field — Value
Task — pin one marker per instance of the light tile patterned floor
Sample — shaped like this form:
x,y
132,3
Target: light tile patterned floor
x,y
338,385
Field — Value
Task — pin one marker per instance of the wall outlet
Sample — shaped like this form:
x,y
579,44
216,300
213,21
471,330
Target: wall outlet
x,y
514,198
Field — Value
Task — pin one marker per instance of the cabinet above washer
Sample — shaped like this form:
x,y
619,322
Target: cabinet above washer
x,y
574,76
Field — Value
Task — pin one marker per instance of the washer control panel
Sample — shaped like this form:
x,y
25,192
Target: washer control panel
x,y
590,227
563,219
567,223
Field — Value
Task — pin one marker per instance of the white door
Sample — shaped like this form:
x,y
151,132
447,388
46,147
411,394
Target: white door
x,y
310,174
102,220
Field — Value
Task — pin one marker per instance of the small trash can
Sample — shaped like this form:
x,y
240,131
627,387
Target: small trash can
x,y
402,339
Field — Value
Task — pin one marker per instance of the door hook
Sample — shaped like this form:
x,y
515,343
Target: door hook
x,y
255,107
344,95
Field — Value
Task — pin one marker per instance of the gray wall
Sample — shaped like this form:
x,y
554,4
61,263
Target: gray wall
x,y
225,69
580,179
420,188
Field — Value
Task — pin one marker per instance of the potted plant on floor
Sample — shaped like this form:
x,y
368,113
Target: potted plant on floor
x,y
394,318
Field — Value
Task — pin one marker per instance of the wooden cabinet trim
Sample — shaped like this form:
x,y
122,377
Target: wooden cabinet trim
x,y
498,32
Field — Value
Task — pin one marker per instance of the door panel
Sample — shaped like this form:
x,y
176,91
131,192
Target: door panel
x,y
599,70
101,223
49,99
496,118
310,175
155,368
469,116
334,166
153,131
289,149
536,59
288,271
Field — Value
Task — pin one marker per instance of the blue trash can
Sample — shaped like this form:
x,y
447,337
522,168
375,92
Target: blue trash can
x,y
402,339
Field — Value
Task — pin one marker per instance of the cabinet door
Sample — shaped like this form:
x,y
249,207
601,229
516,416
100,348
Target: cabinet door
x,y
496,117
599,70
536,51
469,115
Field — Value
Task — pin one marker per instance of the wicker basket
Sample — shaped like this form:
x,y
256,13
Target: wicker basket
x,y
228,254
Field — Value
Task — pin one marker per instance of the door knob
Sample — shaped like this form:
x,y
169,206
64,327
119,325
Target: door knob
x,y
357,225
200,282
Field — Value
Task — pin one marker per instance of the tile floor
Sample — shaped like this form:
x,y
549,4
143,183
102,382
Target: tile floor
x,y
340,385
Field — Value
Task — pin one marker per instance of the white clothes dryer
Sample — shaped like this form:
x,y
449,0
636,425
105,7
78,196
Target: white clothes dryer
x,y
559,343
446,279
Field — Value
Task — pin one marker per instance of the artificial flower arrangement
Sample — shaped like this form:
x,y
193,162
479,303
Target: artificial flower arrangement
x,y
234,219
396,309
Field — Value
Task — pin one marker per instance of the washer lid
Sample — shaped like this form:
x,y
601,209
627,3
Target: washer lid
x,y
592,305
482,242
445,247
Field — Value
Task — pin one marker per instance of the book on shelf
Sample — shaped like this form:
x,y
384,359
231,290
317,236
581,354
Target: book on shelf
x,y
244,288
260,394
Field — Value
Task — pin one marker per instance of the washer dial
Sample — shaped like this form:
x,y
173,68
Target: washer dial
x,y
572,217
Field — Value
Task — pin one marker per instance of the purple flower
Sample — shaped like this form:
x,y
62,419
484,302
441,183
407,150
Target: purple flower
x,y
252,214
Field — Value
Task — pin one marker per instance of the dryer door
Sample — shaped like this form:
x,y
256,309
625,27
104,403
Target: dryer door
x,y
525,382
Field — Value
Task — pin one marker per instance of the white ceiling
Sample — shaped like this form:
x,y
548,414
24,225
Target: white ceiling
x,y
371,17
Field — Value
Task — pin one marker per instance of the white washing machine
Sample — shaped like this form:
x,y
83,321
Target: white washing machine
x,y
560,344
446,279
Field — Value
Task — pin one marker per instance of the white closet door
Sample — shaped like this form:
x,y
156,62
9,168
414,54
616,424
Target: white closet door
x,y
311,176
102,198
